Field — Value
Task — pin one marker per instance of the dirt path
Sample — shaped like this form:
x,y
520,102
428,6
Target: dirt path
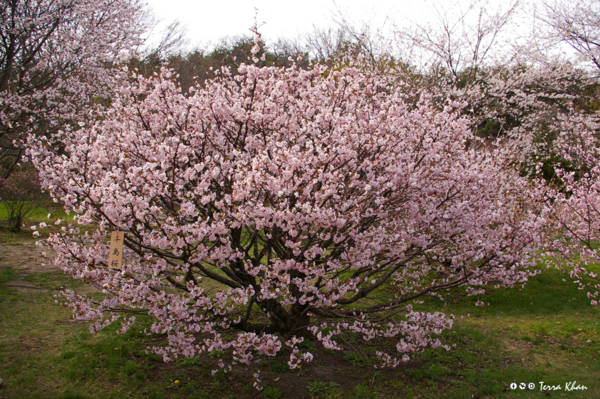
x,y
24,257
35,272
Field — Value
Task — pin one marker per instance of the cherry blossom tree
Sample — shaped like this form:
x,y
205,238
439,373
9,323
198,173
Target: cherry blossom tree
x,y
576,202
283,204
55,63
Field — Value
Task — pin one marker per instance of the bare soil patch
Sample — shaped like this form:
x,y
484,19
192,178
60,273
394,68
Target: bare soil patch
x,y
25,257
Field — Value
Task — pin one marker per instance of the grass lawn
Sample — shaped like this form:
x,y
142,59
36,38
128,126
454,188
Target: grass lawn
x,y
546,332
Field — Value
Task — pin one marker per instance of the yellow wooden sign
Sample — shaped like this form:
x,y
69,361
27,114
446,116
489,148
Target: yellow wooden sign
x,y
115,256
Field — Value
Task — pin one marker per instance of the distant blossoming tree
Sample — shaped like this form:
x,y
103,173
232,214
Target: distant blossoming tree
x,y
55,63
576,203
282,205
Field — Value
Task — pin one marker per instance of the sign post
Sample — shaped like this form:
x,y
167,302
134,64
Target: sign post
x,y
115,255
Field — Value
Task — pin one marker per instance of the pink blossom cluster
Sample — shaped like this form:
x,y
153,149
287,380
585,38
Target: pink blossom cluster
x,y
282,204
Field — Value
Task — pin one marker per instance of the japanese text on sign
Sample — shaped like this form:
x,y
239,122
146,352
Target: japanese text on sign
x,y
115,255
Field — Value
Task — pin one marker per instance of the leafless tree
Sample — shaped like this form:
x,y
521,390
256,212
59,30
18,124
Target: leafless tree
x,y
577,23
460,40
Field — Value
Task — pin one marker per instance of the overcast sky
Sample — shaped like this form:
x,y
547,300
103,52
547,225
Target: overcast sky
x,y
209,21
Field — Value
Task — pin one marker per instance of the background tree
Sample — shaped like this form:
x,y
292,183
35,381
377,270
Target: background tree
x,y
576,23
198,65
515,91
56,59
576,202
20,195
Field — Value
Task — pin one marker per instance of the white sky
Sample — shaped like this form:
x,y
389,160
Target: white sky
x,y
209,21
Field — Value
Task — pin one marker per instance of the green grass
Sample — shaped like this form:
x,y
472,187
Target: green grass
x,y
7,293
538,333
